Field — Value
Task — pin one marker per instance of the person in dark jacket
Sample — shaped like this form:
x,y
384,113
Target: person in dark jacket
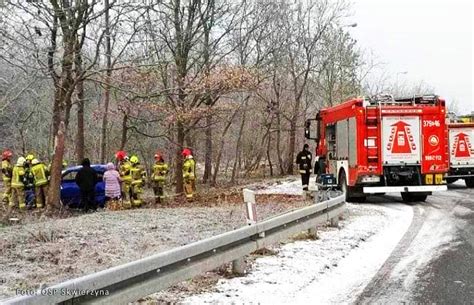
x,y
303,159
86,179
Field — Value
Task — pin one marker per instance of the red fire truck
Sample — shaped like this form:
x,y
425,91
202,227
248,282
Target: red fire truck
x,y
383,145
461,150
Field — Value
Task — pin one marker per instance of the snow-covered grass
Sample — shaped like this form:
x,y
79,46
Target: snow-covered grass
x,y
292,186
334,269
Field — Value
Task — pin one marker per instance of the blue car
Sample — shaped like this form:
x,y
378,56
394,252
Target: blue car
x,y
70,193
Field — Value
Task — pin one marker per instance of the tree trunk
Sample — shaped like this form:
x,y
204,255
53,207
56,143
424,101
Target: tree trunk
x,y
123,141
291,146
103,142
221,149
54,194
270,165
278,144
238,144
292,140
179,159
80,112
208,157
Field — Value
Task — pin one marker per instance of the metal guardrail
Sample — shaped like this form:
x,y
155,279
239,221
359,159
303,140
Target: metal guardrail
x,y
132,281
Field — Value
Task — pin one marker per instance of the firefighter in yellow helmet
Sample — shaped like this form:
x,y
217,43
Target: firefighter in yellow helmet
x,y
158,177
138,174
29,158
123,166
18,188
40,174
189,174
7,175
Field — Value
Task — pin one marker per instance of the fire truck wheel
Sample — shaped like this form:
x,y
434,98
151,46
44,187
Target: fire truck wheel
x,y
469,182
413,197
347,190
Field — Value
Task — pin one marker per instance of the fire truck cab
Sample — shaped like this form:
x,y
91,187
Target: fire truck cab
x,y
461,149
383,145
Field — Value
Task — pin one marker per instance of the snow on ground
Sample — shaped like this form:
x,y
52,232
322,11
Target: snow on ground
x,y
292,186
54,250
332,269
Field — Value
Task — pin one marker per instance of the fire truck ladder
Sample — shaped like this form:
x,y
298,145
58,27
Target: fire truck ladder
x,y
372,121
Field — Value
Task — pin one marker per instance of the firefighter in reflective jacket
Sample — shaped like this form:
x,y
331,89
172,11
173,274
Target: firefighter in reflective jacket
x,y
303,159
189,174
40,174
18,187
7,175
138,174
124,165
158,177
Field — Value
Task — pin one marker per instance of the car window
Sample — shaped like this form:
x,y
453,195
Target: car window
x,y
71,176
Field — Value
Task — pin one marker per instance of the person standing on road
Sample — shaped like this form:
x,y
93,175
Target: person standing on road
x,y
112,183
86,179
303,159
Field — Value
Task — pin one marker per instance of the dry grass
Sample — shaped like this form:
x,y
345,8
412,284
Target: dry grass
x,y
305,235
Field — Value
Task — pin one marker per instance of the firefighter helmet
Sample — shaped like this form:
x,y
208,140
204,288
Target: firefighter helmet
x,y
35,161
120,155
134,159
30,157
158,156
186,152
7,154
21,161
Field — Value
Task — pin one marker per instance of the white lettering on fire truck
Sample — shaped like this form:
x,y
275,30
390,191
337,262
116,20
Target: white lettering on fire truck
x,y
431,123
433,158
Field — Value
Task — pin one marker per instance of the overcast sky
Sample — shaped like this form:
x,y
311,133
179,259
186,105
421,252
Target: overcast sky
x,y
429,39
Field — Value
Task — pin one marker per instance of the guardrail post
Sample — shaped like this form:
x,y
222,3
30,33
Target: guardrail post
x,y
335,221
313,232
238,266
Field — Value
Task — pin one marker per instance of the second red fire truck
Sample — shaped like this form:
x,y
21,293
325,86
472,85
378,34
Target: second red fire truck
x,y
383,145
461,150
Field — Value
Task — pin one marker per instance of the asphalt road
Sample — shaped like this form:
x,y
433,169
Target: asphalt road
x,y
449,279
442,234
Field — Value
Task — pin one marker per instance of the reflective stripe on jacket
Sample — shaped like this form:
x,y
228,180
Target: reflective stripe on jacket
x,y
137,173
17,176
160,169
39,172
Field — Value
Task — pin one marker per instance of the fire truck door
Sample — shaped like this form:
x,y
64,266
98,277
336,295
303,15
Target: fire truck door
x,y
401,140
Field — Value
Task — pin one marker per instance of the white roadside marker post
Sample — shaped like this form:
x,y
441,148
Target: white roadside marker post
x,y
239,265
250,208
